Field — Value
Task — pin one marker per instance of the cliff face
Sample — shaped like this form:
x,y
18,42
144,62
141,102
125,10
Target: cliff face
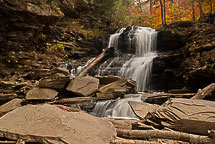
x,y
187,56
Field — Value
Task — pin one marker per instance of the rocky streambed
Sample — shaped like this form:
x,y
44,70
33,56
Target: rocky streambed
x,y
54,111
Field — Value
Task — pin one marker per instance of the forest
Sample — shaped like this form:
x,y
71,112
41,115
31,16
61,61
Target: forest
x,y
153,13
107,71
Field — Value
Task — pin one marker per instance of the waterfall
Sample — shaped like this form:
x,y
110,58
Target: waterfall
x,y
139,66
136,66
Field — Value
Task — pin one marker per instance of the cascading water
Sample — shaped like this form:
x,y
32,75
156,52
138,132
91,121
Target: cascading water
x,y
135,66
139,66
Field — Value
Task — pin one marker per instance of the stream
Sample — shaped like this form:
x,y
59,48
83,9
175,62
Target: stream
x,y
135,60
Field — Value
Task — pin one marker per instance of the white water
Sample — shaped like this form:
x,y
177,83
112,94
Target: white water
x,y
117,108
139,66
113,41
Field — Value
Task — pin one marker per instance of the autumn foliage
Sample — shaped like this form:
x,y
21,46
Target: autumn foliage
x,y
148,13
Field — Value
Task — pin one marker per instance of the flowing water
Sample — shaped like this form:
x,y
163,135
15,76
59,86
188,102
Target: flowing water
x,y
135,66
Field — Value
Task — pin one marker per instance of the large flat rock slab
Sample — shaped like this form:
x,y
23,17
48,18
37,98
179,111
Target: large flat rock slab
x,y
49,124
185,115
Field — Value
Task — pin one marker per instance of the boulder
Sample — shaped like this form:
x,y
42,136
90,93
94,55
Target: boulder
x,y
56,81
9,106
117,89
49,124
83,86
41,94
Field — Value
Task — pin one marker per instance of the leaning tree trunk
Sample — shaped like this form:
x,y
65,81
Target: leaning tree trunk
x,y
206,93
161,4
106,53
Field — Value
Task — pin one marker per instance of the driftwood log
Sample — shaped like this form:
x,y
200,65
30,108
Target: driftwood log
x,y
159,134
130,141
76,100
206,93
162,98
106,53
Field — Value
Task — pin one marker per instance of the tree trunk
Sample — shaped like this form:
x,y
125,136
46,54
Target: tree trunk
x,y
151,7
161,4
107,52
164,11
159,134
211,6
193,10
200,9
206,93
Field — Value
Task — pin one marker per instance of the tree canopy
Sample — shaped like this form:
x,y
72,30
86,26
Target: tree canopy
x,y
151,12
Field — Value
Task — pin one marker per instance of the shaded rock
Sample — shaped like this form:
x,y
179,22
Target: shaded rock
x,y
83,86
31,11
49,124
7,96
61,70
141,109
185,115
41,94
56,81
107,79
9,106
117,89
7,84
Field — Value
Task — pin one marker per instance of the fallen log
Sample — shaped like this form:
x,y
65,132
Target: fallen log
x,y
7,142
88,68
129,141
69,109
162,98
76,100
206,93
159,134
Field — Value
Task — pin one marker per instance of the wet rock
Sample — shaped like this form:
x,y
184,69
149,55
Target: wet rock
x,y
61,70
117,89
41,94
83,86
49,124
9,106
57,81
